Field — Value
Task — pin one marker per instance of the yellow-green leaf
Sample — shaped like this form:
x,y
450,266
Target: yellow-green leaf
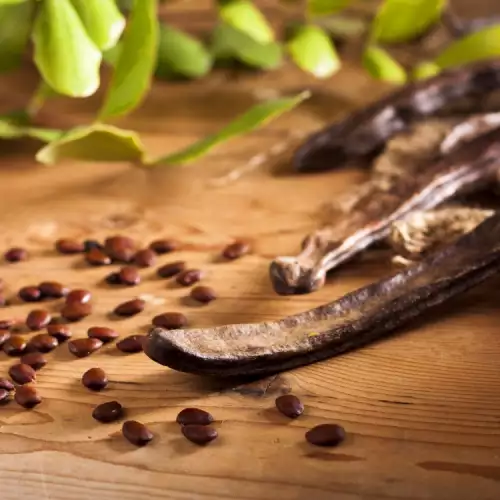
x,y
425,70
15,29
313,51
181,54
245,17
254,118
136,63
64,54
102,20
11,2
325,7
382,66
98,142
484,44
16,125
342,26
401,20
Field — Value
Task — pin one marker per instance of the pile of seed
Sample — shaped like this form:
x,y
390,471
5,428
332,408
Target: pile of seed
x,y
77,305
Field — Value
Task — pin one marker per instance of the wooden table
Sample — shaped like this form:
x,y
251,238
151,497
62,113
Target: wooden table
x,y
421,409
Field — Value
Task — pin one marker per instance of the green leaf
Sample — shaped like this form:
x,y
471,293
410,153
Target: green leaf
x,y
425,70
254,118
12,2
325,7
245,17
112,55
16,125
342,26
484,44
401,20
229,42
181,54
64,54
135,66
15,29
102,20
98,142
382,66
313,51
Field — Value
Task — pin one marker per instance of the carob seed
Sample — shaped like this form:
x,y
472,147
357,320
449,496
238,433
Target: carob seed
x,y
326,435
75,311
22,374
199,434
194,416
90,244
27,396
170,320
30,294
43,342
34,359
14,346
108,412
171,269
78,295
236,250
69,246
4,336
103,333
203,294
189,277
137,433
60,332
113,278
120,248
96,257
145,258
163,246
4,396
130,308
38,319
15,254
6,384
129,276
131,344
7,324
95,379
82,348
52,290
289,405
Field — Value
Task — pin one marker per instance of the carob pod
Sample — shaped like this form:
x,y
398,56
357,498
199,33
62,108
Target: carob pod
x,y
352,321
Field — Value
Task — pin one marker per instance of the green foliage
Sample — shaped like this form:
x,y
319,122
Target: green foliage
x,y
325,7
382,66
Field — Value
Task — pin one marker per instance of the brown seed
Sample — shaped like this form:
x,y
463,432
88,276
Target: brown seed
x,y
78,295
103,333
69,246
129,276
199,434
289,405
203,294
95,379
189,277
130,308
60,332
6,384
38,319
89,244
52,290
22,374
30,294
170,320
15,254
131,344
108,412
76,311
120,248
96,257
43,342
136,433
7,324
236,250
113,279
34,359
14,346
4,336
4,396
163,246
84,347
326,435
171,269
145,258
27,396
194,416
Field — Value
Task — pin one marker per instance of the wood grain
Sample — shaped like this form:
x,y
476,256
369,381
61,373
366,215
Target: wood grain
x,y
422,409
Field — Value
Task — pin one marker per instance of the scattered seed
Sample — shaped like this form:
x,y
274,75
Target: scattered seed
x,y
4,396
15,254
76,311
113,279
203,294
95,379
38,319
289,405
136,433
60,332
96,257
34,359
120,248
14,346
236,250
52,290
30,294
171,269
6,384
131,344
82,348
108,412
27,396
90,244
129,276
68,246
194,416
78,295
43,342
7,324
189,277
170,320
163,246
103,333
145,258
130,308
4,336
22,374
199,434
326,435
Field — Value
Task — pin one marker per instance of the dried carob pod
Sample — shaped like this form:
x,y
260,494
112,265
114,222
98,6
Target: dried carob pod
x,y
354,320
